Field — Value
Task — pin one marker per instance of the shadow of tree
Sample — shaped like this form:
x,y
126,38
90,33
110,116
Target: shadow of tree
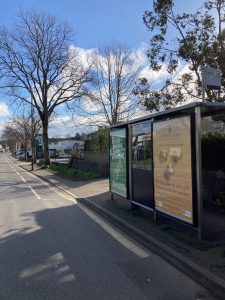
x,y
33,265
51,260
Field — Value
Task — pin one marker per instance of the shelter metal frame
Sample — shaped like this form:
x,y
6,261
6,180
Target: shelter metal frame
x,y
196,110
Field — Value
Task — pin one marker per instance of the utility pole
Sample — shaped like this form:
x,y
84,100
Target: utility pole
x,y
203,84
32,137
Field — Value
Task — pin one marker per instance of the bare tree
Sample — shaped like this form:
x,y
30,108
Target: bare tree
x,y
39,67
110,93
23,128
10,136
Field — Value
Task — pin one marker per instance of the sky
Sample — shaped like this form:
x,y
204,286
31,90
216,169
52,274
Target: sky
x,y
94,22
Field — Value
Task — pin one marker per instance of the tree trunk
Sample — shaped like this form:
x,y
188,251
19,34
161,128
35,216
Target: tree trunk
x,y
34,155
33,146
45,141
25,149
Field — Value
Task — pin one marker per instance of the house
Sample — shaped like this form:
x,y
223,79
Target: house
x,y
65,145
60,145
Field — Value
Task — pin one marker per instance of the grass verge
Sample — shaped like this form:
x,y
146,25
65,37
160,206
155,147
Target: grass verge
x,y
65,171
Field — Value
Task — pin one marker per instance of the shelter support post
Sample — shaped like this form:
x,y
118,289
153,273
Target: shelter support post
x,y
130,165
198,153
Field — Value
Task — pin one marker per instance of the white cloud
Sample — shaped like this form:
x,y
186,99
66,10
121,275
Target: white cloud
x,y
185,69
83,55
68,126
93,111
141,60
2,125
4,110
4,113
154,77
61,127
139,55
182,69
141,112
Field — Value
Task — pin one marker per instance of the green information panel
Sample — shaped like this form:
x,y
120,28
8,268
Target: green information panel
x,y
118,162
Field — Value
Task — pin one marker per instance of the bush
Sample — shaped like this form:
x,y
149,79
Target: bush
x,y
213,165
72,173
213,152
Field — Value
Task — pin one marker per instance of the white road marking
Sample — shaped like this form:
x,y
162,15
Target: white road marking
x,y
33,191
18,173
32,175
61,194
116,235
22,178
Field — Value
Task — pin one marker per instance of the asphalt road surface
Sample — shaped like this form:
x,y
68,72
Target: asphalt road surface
x,y
53,248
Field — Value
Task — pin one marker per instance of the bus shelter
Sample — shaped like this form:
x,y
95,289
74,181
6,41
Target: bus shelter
x,y
156,162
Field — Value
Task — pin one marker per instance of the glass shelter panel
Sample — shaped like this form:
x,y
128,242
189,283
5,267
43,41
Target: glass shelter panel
x,y
141,165
213,175
142,146
118,162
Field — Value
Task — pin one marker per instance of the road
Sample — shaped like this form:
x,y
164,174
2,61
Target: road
x,y
53,248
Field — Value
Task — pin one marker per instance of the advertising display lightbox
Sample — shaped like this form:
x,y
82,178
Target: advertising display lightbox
x,y
173,168
118,162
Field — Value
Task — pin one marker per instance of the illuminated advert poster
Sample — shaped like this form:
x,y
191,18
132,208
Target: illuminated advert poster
x,y
118,162
172,168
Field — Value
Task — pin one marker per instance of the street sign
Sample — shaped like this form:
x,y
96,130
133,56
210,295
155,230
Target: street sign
x,y
211,78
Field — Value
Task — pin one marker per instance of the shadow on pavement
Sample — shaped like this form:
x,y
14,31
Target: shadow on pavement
x,y
63,258
42,262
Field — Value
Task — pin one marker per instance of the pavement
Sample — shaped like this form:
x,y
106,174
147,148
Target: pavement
x,y
203,261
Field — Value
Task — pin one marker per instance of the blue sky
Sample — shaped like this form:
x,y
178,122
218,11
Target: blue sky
x,y
94,22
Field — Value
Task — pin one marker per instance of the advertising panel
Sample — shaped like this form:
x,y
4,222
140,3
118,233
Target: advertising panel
x,y
172,168
118,162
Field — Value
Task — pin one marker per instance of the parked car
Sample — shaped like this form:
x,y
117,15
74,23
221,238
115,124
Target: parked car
x,y
20,152
64,155
21,156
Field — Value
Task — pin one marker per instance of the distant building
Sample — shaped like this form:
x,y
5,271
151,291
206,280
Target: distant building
x,y
65,144
62,145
